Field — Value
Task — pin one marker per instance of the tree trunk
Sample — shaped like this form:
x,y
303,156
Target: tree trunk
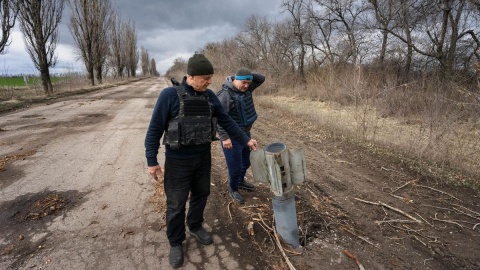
x,y
99,74
46,81
43,67
91,75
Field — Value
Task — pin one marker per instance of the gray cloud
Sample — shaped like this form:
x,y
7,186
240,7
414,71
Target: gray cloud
x,y
168,29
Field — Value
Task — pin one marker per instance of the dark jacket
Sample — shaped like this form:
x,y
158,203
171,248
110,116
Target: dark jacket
x,y
228,103
167,107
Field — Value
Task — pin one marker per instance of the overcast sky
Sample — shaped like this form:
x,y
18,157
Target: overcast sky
x,y
168,29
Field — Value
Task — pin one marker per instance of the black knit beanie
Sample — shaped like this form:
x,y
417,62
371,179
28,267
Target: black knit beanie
x,y
243,74
198,64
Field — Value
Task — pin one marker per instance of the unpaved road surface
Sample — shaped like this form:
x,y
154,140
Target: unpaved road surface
x,y
74,194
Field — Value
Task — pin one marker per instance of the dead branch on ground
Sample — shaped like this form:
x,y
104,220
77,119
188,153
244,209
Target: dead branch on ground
x,y
228,208
437,190
351,256
359,236
378,222
431,225
279,244
404,185
391,208
447,221
471,211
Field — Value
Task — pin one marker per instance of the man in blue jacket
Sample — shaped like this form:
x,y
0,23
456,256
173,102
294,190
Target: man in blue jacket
x,y
187,114
236,98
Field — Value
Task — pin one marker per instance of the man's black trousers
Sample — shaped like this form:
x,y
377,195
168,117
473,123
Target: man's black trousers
x,y
184,176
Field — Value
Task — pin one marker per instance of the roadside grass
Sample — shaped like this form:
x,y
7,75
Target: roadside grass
x,y
20,81
452,157
12,98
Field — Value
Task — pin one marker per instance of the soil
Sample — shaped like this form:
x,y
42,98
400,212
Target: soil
x,y
352,202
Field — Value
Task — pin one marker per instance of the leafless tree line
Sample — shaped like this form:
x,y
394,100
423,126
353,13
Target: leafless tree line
x,y
410,35
103,40
149,66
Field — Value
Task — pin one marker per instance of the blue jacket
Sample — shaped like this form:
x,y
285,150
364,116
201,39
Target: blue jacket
x,y
167,107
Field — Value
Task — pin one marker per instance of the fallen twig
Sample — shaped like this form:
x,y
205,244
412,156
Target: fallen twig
x,y
398,197
360,237
447,221
312,193
261,219
471,211
292,252
437,190
431,225
228,208
467,214
410,230
402,186
379,222
350,255
269,235
279,244
391,208
432,239
343,161
251,206
438,207
238,235
416,238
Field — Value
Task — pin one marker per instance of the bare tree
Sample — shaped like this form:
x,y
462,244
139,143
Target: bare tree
x,y
345,18
253,43
102,30
8,15
296,9
384,14
131,51
89,26
440,28
322,36
145,61
117,45
39,24
153,68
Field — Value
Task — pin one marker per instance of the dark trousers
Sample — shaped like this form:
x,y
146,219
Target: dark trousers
x,y
238,161
184,177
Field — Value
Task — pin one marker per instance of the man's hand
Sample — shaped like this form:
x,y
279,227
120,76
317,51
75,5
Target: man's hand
x,y
227,144
252,144
154,171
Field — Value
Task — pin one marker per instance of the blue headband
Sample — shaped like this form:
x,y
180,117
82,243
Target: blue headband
x,y
244,78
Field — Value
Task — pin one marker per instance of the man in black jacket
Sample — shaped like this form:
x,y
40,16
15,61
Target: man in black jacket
x,y
185,113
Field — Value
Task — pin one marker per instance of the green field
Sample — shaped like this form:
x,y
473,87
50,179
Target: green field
x,y
18,81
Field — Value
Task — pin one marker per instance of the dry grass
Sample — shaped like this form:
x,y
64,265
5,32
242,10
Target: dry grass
x,y
13,98
6,159
448,152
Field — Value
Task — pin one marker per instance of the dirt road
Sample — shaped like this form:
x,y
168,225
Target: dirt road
x,y
74,194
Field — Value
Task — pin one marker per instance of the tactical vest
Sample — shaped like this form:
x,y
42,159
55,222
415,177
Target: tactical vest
x,y
194,123
243,110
